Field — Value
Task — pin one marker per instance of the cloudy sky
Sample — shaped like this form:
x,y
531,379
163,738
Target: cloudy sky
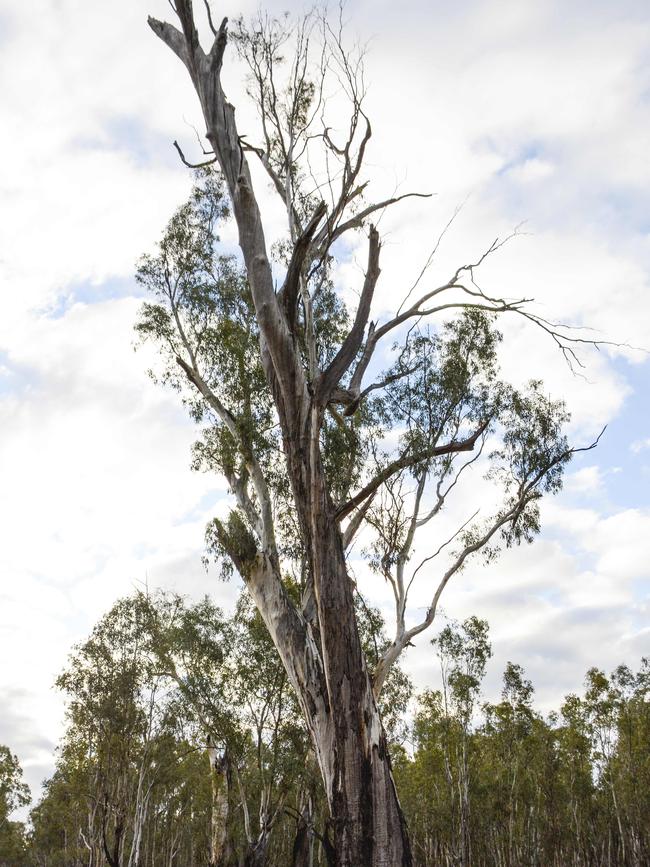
x,y
535,111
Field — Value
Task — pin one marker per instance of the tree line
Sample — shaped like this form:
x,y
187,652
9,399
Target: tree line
x,y
185,746
501,784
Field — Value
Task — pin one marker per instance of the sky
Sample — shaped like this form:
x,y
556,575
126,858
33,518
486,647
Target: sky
x,y
521,112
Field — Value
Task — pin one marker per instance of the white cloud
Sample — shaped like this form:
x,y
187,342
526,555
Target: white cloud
x,y
532,170
587,480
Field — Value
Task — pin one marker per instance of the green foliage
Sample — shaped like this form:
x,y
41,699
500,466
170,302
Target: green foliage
x,y
464,652
14,794
442,384
203,307
452,373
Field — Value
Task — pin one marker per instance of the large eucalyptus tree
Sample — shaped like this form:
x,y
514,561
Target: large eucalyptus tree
x,y
290,383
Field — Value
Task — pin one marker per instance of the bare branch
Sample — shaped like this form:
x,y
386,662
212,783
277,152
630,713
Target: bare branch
x,y
430,258
193,165
441,548
172,37
331,231
408,460
344,357
355,523
209,14
263,157
353,401
442,496
295,269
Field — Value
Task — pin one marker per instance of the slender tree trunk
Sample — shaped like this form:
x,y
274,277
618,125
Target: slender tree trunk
x,y
220,784
300,853
258,852
304,839
140,815
464,806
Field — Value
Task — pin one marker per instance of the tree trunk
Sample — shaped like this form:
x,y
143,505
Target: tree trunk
x,y
367,821
258,852
220,785
301,844
320,649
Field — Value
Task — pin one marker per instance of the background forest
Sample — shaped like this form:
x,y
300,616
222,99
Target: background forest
x,y
184,747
